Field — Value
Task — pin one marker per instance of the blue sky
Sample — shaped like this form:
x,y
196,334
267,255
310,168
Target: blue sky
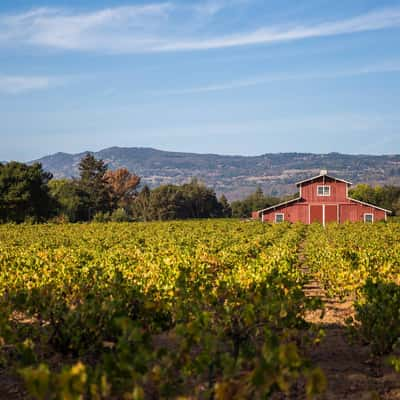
x,y
216,76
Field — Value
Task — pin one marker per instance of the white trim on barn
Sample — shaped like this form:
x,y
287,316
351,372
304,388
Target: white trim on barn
x,y
324,176
369,215
323,187
282,215
369,205
280,204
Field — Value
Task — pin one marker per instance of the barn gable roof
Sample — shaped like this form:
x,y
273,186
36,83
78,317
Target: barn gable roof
x,y
369,205
322,174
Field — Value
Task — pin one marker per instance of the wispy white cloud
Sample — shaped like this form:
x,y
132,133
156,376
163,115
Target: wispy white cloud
x,y
265,79
376,20
60,28
14,84
213,7
162,27
208,8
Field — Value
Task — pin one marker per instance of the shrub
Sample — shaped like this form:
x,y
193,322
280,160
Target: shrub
x,y
379,315
101,217
120,215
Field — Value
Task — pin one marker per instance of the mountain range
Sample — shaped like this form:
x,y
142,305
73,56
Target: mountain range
x,y
234,175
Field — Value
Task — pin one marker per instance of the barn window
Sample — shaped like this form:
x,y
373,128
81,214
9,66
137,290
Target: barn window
x,y
323,190
368,217
279,217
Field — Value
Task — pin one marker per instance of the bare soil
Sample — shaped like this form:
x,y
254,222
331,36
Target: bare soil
x,y
11,388
352,372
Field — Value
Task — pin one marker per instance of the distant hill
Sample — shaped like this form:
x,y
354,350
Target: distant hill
x,y
235,176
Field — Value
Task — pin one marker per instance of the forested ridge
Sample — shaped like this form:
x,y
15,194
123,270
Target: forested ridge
x,y
236,176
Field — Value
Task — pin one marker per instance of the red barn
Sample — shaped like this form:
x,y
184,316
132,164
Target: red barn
x,y
323,199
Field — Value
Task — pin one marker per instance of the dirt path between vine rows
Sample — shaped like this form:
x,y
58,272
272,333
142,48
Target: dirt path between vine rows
x,y
351,371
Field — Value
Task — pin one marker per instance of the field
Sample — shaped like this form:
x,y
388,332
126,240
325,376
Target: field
x,y
209,309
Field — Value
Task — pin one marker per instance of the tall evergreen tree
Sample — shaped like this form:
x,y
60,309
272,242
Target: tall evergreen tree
x,y
226,209
94,183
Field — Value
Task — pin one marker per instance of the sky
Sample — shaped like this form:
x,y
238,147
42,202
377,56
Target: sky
x,y
214,76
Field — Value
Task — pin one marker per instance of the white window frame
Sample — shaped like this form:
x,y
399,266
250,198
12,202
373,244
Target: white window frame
x,y
280,214
372,217
323,190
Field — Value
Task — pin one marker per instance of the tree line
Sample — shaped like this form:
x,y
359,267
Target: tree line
x,y
387,196
255,201
28,193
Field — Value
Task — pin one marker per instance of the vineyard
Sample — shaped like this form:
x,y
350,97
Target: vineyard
x,y
209,309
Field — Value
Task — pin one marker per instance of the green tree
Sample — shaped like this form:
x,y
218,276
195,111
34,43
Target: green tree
x,y
255,201
201,201
94,183
72,201
24,192
226,209
364,192
141,207
167,203
120,215
387,196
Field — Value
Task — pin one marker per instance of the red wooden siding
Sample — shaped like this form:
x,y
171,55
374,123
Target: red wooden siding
x,y
354,212
298,212
338,191
331,213
316,213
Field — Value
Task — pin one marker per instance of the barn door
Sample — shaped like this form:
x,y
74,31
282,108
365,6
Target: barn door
x,y
323,213
316,214
331,213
